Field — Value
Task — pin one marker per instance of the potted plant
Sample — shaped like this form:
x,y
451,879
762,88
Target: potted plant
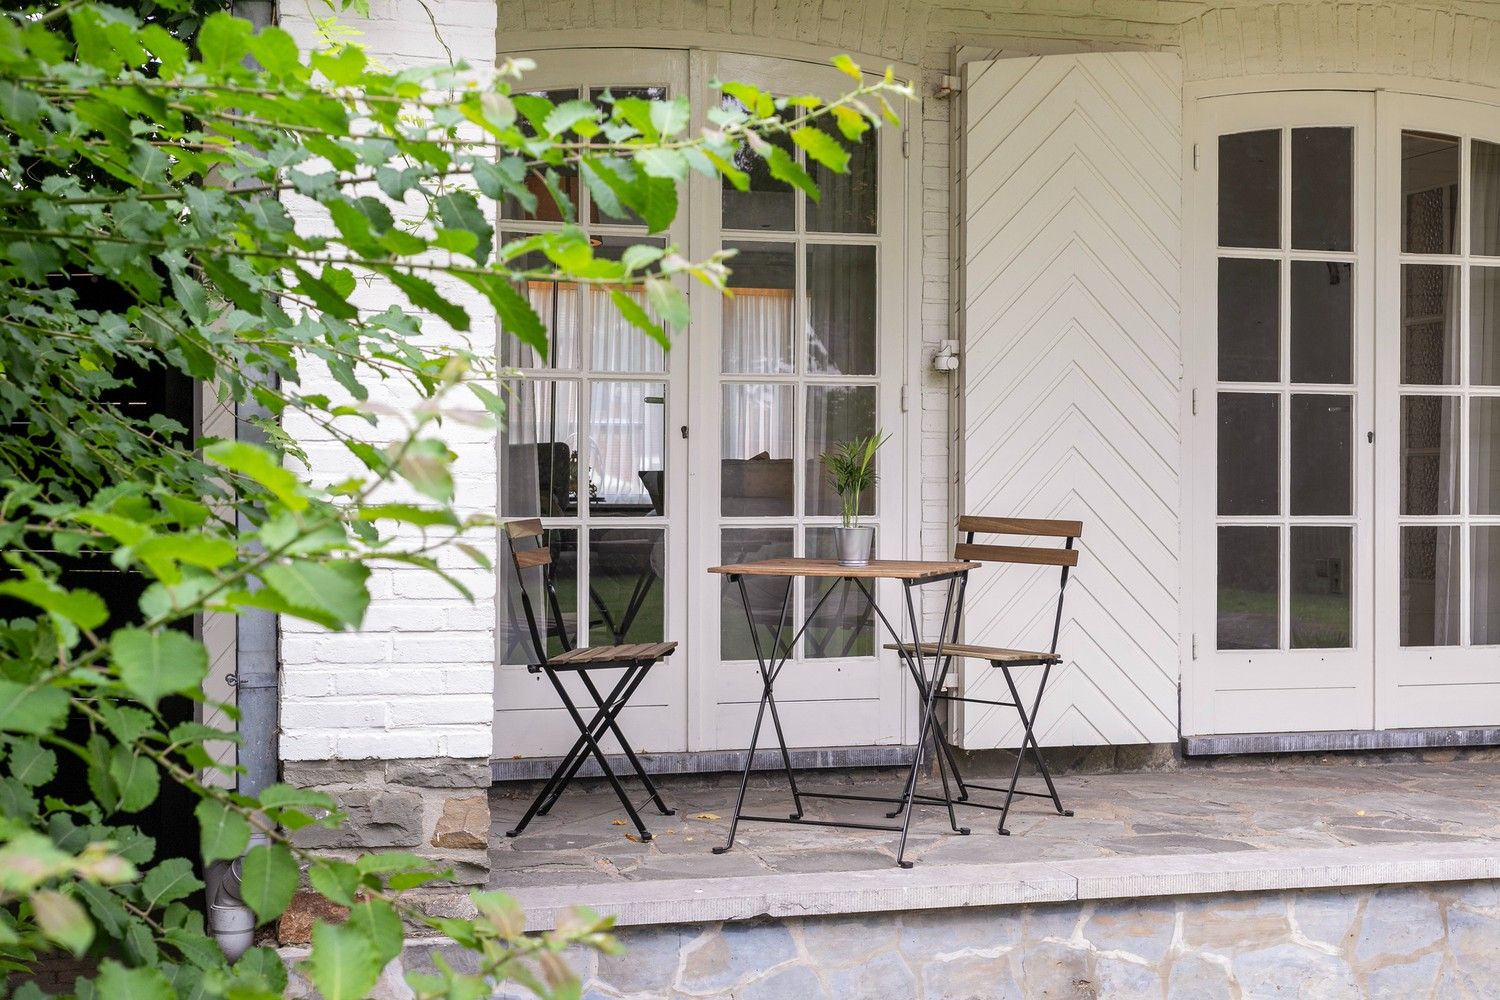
x,y
851,471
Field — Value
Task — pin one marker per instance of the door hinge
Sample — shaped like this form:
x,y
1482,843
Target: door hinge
x,y
905,143
905,397
1195,645
1195,402
1195,156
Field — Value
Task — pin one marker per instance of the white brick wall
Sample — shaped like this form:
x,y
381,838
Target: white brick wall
x,y
418,680
1452,40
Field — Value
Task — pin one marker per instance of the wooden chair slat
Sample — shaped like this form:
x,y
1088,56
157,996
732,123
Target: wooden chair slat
x,y
1028,555
528,558
528,527
995,654
1020,526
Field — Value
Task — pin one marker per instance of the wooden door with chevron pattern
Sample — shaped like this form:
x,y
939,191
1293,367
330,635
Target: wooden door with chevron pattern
x,y
1071,384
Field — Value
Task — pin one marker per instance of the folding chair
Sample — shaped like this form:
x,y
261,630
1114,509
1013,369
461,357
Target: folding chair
x,y
635,659
1004,659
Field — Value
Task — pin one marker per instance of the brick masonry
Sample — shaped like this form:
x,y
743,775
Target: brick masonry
x,y
417,682
1438,940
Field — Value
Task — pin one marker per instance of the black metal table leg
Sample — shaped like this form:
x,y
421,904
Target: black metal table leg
x,y
593,747
929,701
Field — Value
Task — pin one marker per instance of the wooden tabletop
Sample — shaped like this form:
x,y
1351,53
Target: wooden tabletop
x,y
875,569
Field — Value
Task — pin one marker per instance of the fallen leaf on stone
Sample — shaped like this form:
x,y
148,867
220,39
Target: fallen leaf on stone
x,y
704,816
687,840
617,822
632,838
1360,812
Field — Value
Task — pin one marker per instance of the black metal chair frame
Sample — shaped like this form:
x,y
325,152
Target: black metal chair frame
x,y
967,549
606,708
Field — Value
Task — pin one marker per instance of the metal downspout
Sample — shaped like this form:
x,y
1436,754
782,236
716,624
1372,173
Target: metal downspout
x,y
230,920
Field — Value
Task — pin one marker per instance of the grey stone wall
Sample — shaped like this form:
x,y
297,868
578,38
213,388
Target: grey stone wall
x,y
435,806
1435,940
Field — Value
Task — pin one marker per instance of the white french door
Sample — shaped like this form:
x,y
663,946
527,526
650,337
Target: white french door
x,y
648,466
1438,638
1347,393
1283,375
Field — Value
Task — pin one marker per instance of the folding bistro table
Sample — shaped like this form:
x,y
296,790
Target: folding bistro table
x,y
917,656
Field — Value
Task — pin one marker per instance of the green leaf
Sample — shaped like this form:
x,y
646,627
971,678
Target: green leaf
x,y
333,590
849,67
155,664
822,148
405,513
671,116
381,924
667,163
788,170
668,302
424,295
336,880
222,833
269,880
24,710
344,964
569,114
460,210
63,920
223,41
281,796
83,608
136,777
276,51
172,879
658,202
32,764
116,982
260,465
517,317
637,316
264,964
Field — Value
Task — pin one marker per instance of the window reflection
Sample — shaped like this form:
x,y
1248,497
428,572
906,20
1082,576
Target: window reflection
x,y
755,477
1429,193
539,457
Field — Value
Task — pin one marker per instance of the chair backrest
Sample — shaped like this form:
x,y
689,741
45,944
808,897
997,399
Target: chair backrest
x,y
1066,556
535,555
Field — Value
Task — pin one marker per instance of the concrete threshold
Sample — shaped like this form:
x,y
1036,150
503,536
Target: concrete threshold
x,y
929,887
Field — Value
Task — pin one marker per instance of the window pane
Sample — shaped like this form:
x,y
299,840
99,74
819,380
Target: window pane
x,y
1429,455
848,201
553,621
1249,602
841,304
1322,188
1322,431
627,448
538,463
1429,324
1429,586
557,306
547,209
1249,306
768,204
1484,196
619,346
1429,193
742,545
1485,577
1484,455
836,414
755,478
1321,582
1484,325
1248,450
758,316
1250,189
1322,322
604,97
627,589
844,626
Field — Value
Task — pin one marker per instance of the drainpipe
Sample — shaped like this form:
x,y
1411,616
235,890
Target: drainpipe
x,y
230,920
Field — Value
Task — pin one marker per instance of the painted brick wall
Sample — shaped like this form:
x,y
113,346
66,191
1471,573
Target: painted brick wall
x,y
416,682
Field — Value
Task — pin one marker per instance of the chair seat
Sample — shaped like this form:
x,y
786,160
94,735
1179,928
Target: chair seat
x,y
995,654
610,656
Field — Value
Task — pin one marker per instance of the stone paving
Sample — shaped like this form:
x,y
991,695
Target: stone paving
x,y
1259,805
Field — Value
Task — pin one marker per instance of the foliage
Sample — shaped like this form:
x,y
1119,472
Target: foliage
x,y
269,232
851,471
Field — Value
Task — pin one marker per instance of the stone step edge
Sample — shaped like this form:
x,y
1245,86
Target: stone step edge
x,y
926,887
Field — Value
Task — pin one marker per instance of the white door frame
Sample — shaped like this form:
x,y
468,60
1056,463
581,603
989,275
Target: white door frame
x,y
1286,690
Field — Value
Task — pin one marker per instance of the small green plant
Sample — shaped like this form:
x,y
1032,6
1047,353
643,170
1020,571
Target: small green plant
x,y
851,471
